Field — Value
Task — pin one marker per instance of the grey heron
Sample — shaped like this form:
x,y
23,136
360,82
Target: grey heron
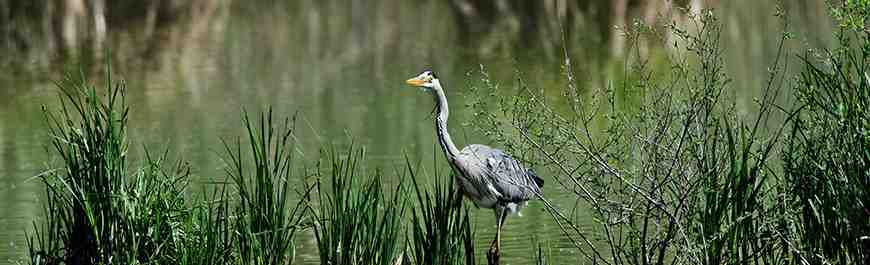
x,y
489,177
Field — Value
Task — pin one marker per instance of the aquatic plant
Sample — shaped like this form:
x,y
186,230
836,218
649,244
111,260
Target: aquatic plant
x,y
355,220
827,155
96,212
266,219
440,228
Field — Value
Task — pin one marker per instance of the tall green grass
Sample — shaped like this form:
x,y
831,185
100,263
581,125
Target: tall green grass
x,y
96,211
827,156
208,238
440,227
100,211
266,219
355,220
733,158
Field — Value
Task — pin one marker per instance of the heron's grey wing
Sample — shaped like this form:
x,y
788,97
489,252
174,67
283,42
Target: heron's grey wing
x,y
509,179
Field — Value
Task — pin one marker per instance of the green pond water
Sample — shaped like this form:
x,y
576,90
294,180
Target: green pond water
x,y
345,77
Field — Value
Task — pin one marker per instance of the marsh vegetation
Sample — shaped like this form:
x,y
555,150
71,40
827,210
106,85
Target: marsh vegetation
x,y
659,166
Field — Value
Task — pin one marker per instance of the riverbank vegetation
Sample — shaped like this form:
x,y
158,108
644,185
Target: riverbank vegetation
x,y
671,175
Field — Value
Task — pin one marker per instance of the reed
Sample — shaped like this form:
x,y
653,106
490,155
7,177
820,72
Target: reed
x,y
827,154
208,234
355,220
95,211
98,211
266,219
440,228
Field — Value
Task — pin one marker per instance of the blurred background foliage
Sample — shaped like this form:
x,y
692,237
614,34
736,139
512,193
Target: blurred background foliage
x,y
44,33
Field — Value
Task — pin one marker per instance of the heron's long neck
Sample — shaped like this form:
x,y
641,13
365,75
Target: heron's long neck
x,y
444,139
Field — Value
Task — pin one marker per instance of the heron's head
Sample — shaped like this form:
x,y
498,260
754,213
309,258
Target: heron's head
x,y
425,80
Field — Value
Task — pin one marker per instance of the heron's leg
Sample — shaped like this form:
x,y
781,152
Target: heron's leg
x,y
500,221
492,245
495,248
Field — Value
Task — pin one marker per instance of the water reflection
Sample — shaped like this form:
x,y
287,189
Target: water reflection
x,y
342,70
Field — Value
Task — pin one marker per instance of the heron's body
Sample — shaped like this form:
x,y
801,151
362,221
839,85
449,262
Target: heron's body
x,y
487,176
491,178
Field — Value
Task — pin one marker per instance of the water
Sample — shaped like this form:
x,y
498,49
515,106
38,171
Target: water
x,y
343,72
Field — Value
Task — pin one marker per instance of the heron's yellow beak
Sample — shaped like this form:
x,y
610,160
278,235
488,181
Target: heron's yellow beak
x,y
415,81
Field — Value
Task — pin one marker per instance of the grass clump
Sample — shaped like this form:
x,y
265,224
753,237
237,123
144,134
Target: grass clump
x,y
96,212
99,211
355,220
827,157
440,227
266,219
208,239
